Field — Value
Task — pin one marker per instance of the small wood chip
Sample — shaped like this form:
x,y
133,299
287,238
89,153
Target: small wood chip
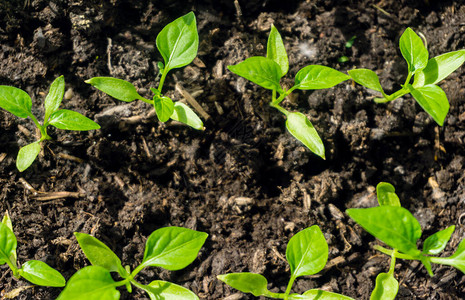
x,y
70,157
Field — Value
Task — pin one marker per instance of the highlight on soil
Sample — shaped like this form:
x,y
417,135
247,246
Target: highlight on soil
x,y
427,74
399,229
19,103
268,71
172,248
34,271
306,253
178,43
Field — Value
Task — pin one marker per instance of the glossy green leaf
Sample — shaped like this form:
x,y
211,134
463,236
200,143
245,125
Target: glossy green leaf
x,y
316,77
173,248
456,260
307,252
90,283
275,50
182,113
367,78
395,226
439,67
71,120
40,273
164,108
15,100
178,42
315,294
433,100
117,88
54,96
386,194
413,50
27,155
302,129
255,284
386,287
7,221
260,70
7,244
436,242
158,290
98,253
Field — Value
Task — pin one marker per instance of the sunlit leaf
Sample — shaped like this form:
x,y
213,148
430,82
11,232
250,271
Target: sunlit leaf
x,y
302,129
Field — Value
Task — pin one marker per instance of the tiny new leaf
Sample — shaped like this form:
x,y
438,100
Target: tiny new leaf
x,y
27,155
178,42
72,120
159,289
386,287
367,78
395,226
276,51
90,283
316,294
439,67
307,252
456,260
413,50
255,284
40,273
54,97
164,107
117,88
98,253
15,100
433,100
316,77
182,113
260,70
386,194
7,244
302,129
173,248
436,242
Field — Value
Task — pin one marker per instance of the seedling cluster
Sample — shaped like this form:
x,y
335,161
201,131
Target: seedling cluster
x,y
174,248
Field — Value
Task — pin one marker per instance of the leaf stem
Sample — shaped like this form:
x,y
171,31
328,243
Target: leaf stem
x,y
393,262
395,253
43,129
289,287
393,96
146,100
162,79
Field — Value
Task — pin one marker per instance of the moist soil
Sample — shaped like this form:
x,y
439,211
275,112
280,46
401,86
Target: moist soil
x,y
244,180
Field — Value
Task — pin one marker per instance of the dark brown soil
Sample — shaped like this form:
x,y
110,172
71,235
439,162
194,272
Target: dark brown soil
x,y
244,180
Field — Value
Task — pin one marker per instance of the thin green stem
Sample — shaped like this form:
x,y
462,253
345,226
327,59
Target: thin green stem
x,y
136,270
146,100
409,77
396,254
162,79
393,96
43,129
289,287
393,262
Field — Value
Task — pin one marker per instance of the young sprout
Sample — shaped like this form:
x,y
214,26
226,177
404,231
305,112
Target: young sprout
x,y
268,71
172,248
427,74
34,271
178,43
397,227
306,253
19,103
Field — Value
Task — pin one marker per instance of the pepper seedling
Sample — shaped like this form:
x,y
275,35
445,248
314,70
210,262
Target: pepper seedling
x,y
306,253
427,74
398,228
34,271
172,248
19,103
268,71
178,43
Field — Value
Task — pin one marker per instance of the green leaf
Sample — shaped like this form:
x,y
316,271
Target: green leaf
x,y
412,49
27,155
71,120
275,50
158,290
182,113
386,287
15,100
436,242
164,108
439,67
260,70
367,78
173,248
7,244
386,194
178,42
307,252
302,129
315,294
246,283
98,253
316,77
40,273
456,260
90,283
7,221
426,261
433,100
117,88
54,97
395,226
